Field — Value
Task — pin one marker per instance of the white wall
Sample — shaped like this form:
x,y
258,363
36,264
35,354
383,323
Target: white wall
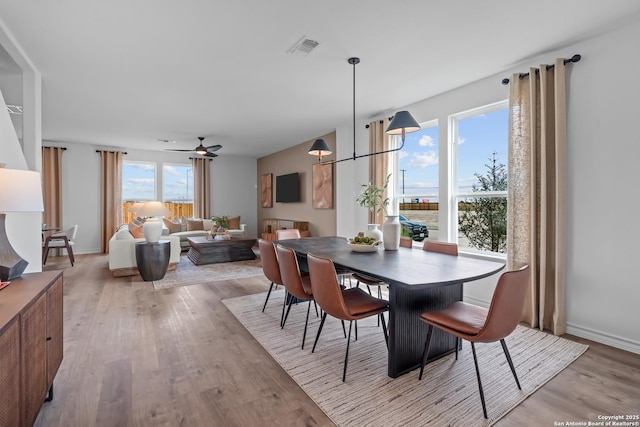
x,y
233,181
602,291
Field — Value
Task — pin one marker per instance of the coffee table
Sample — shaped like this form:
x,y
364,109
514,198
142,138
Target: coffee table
x,y
208,251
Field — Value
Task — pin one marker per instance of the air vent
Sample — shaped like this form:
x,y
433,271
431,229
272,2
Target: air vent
x,y
303,47
14,109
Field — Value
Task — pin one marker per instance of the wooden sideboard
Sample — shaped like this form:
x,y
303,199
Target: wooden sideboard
x,y
270,225
30,345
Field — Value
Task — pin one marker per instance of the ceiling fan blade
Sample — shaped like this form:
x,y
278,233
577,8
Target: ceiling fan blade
x,y
213,148
210,155
176,149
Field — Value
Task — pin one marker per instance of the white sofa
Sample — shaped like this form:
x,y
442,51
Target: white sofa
x,y
122,253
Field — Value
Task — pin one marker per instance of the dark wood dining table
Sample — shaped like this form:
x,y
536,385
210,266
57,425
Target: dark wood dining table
x,y
418,281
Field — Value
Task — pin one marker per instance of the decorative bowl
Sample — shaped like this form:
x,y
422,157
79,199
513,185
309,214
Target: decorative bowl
x,y
364,248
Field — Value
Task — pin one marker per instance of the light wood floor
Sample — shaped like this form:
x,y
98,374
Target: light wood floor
x,y
134,356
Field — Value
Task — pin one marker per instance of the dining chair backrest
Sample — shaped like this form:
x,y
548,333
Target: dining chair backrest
x,y
70,233
405,242
287,233
290,272
506,306
441,247
269,260
324,283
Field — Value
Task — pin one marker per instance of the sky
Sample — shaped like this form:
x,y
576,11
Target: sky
x,y
478,137
138,182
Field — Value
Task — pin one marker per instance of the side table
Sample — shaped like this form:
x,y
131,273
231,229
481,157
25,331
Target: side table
x,y
153,259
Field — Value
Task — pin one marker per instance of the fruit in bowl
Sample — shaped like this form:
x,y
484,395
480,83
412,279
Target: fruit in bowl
x,y
360,243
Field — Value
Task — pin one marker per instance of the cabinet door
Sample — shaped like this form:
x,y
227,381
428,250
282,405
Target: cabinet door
x,y
9,375
54,329
34,358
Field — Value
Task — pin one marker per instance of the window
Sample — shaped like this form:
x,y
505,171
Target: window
x,y
418,181
479,139
177,189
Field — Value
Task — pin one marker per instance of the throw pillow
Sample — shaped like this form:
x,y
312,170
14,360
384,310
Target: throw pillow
x,y
174,227
194,224
136,231
234,222
183,224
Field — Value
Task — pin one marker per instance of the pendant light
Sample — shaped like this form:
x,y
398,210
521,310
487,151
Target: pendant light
x,y
401,124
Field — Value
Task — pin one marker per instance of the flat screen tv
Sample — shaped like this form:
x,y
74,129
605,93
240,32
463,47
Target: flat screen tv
x,y
288,188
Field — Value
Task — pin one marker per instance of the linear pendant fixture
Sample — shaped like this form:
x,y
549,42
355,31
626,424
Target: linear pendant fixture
x,y
401,124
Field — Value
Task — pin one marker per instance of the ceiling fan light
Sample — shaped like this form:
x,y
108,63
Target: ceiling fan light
x,y
201,150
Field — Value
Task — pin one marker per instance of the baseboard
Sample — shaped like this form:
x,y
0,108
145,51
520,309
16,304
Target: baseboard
x,y
582,332
476,301
604,338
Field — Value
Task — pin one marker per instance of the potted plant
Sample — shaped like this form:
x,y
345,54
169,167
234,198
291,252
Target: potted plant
x,y
221,221
372,198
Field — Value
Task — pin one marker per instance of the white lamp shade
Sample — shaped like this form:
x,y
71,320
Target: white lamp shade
x,y
134,208
153,209
20,191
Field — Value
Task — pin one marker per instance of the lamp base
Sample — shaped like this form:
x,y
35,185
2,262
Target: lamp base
x,y
11,264
152,229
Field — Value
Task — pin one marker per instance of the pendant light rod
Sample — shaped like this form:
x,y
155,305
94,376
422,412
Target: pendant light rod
x,y
401,124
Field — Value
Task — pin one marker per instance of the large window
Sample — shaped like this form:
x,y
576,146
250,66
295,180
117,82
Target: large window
x,y
459,190
177,189
479,140
418,178
138,185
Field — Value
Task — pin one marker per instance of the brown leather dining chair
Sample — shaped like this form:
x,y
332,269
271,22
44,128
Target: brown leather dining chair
x,y
478,324
297,285
440,247
344,304
270,266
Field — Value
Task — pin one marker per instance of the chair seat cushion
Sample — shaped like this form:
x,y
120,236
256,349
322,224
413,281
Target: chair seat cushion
x,y
459,316
360,304
367,280
306,283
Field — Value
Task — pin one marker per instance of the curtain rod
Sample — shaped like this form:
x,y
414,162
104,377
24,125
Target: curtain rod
x,y
62,148
191,158
112,151
574,58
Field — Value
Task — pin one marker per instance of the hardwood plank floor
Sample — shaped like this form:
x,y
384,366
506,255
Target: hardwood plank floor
x,y
134,356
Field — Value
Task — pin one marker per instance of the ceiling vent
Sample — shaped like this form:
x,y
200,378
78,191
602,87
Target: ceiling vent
x,y
303,47
14,109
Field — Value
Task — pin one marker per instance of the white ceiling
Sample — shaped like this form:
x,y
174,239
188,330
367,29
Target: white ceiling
x,y
127,73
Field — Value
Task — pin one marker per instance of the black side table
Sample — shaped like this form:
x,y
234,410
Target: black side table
x,y
153,259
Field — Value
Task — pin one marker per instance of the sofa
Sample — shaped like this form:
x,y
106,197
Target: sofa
x,y
207,224
122,253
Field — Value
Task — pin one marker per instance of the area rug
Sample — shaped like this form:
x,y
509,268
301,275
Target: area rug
x,y
187,273
446,396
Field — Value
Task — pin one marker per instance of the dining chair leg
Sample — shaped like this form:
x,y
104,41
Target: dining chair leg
x,y
45,252
306,322
344,330
356,330
267,299
72,258
289,304
316,306
425,352
284,305
324,316
346,355
457,345
513,369
475,361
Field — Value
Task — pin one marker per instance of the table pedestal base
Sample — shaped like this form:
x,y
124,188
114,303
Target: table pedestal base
x,y
153,259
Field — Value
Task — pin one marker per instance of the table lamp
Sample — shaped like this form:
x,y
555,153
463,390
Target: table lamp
x,y
20,191
152,228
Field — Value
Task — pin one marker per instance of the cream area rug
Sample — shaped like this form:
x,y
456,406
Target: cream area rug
x,y
446,396
187,273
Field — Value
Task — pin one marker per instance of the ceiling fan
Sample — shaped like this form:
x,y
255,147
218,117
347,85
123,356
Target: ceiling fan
x,y
201,149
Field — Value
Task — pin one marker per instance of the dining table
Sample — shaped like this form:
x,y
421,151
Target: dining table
x,y
418,281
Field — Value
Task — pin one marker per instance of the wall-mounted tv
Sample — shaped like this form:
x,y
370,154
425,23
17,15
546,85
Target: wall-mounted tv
x,y
288,188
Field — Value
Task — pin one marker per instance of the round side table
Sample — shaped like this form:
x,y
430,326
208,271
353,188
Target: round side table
x,y
153,259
